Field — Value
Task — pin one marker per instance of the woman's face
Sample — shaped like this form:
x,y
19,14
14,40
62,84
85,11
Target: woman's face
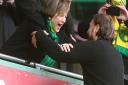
x,y
58,21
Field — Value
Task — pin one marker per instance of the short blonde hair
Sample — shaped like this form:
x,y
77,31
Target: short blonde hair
x,y
51,7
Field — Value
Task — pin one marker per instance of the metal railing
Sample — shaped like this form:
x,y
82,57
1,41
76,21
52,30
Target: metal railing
x,y
39,66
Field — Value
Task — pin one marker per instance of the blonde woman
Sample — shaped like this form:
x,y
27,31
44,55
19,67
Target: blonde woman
x,y
20,45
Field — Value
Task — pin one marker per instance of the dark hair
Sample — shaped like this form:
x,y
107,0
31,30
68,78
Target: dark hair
x,y
105,23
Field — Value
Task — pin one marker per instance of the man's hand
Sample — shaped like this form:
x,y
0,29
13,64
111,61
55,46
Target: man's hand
x,y
66,47
34,39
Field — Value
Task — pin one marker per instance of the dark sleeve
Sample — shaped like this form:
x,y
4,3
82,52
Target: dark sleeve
x,y
64,38
32,10
80,53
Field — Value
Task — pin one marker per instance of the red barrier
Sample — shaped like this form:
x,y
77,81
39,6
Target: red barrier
x,y
12,76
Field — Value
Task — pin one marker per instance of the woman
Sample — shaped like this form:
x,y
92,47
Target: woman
x,y
19,45
101,63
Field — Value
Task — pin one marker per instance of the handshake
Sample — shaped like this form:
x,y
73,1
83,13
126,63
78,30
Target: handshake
x,y
6,2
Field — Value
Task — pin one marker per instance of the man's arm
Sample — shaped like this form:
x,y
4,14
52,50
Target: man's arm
x,y
81,52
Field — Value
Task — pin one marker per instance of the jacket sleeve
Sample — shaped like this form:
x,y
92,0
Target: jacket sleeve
x,y
32,10
80,53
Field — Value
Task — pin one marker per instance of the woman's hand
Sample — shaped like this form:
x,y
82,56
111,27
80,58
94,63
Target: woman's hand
x,y
66,47
1,2
103,9
123,13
